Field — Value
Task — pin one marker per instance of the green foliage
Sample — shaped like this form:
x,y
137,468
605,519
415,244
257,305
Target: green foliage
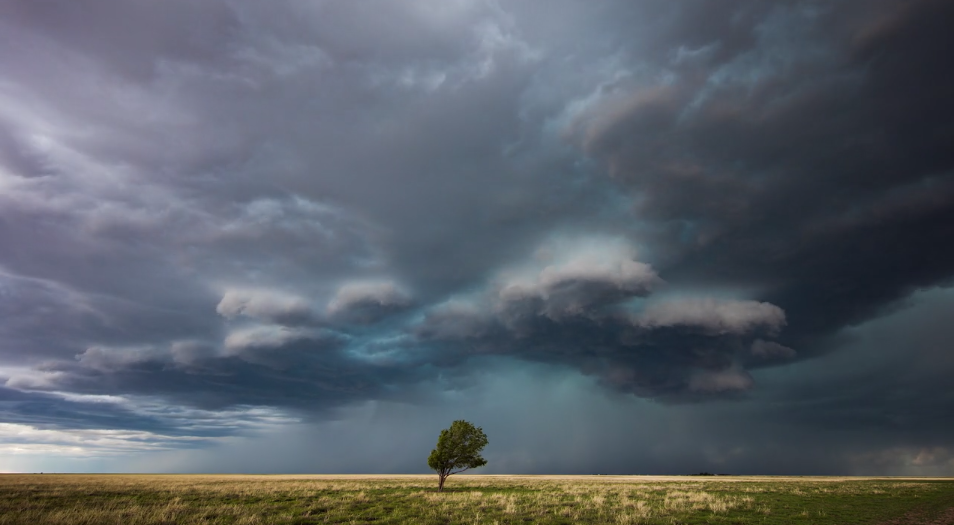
x,y
458,449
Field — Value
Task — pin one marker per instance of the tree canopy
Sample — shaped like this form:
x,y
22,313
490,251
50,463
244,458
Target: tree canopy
x,y
458,449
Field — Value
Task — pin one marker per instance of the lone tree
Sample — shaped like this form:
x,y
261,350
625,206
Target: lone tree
x,y
458,449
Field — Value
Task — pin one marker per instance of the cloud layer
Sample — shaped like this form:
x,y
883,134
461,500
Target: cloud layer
x,y
306,208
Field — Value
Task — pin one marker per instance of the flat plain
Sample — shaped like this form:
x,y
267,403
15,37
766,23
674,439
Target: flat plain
x,y
78,499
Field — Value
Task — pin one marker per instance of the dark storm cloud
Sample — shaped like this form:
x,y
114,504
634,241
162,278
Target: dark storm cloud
x,y
308,205
889,377
572,308
813,162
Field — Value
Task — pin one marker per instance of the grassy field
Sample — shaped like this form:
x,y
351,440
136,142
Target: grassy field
x,y
207,499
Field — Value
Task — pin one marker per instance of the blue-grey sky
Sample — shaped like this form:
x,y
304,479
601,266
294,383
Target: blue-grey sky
x,y
621,236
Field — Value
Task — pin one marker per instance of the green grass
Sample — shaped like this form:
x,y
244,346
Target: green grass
x,y
201,499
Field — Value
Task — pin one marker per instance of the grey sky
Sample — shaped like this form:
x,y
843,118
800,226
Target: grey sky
x,y
660,236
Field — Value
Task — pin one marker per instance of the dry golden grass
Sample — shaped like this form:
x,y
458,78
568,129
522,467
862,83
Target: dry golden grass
x,y
248,499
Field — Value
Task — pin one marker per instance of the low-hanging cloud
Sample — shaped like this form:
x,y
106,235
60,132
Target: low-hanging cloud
x,y
571,303
713,316
583,278
265,337
265,305
368,301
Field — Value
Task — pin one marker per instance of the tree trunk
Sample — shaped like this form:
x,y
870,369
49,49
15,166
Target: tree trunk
x,y
440,482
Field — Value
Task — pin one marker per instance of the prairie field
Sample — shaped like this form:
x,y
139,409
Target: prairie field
x,y
77,499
